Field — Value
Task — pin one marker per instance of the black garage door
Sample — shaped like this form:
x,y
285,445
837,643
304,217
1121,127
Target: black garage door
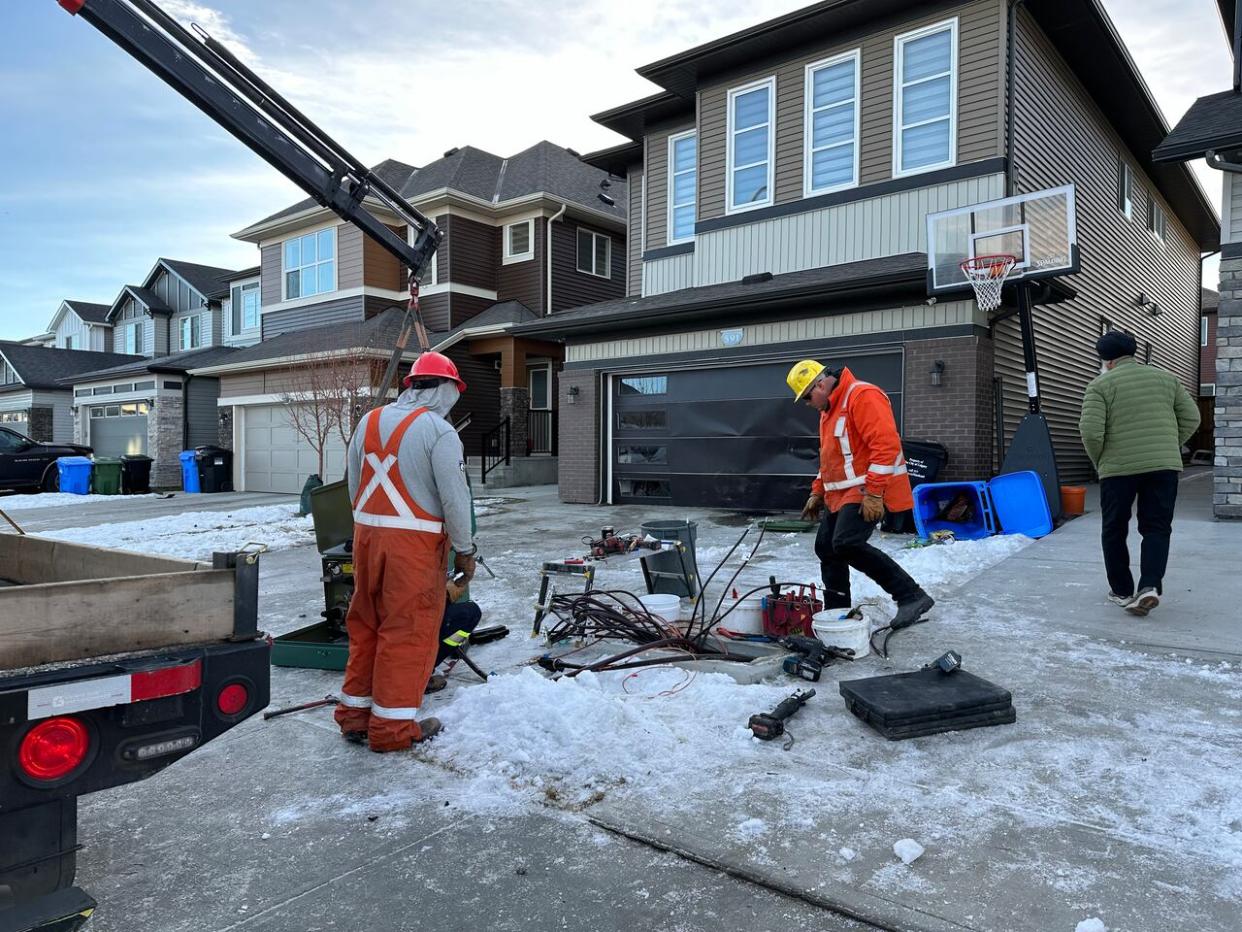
x,y
725,437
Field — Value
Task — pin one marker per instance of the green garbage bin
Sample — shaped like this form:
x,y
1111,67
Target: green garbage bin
x,y
106,476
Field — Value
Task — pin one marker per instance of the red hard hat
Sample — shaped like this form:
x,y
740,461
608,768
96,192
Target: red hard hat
x,y
434,365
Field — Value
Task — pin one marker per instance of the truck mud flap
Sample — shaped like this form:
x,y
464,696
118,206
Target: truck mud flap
x,y
62,911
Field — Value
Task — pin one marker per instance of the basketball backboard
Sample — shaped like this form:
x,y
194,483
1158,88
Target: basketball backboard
x,y
1037,228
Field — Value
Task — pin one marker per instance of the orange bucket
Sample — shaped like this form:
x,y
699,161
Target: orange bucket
x,y
1073,500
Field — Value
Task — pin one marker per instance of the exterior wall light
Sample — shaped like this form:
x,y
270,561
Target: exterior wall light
x,y
571,397
937,373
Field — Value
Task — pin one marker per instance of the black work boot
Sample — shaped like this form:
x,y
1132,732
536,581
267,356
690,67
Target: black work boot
x,y
912,610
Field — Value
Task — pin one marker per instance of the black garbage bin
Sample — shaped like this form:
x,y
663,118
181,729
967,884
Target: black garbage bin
x,y
673,572
215,468
135,474
924,460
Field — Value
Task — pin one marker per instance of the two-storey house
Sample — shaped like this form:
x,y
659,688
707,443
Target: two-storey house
x,y
81,325
1212,129
779,186
536,232
173,320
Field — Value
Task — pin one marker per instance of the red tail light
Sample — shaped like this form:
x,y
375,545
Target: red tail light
x,y
233,699
54,749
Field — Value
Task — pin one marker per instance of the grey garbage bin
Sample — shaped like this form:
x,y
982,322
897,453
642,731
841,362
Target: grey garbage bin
x,y
665,570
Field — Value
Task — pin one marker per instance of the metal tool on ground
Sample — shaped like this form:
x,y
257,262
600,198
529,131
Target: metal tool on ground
x,y
288,710
767,726
810,657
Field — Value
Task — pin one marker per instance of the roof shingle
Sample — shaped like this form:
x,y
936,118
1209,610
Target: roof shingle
x,y
45,366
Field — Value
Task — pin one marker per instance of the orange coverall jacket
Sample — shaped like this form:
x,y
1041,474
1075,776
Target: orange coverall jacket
x,y
860,449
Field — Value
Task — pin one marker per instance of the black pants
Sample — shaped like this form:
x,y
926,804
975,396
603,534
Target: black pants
x,y
458,616
842,543
1156,493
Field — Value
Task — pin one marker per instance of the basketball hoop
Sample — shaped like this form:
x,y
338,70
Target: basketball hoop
x,y
987,275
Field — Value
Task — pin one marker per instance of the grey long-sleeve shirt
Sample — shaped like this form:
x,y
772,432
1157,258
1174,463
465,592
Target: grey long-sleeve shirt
x,y
430,458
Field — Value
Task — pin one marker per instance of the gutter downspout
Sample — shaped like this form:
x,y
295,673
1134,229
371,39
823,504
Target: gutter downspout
x,y
551,220
1010,170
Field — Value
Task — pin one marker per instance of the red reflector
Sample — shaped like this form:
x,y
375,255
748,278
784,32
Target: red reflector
x,y
72,5
54,748
170,681
232,699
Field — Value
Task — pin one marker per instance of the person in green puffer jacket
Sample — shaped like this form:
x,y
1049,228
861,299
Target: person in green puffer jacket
x,y
1134,421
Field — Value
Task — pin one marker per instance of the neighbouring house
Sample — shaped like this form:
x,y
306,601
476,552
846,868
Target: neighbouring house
x,y
81,325
240,308
33,399
524,236
1212,129
176,308
779,184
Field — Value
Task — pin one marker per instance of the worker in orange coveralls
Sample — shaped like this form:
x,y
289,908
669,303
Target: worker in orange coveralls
x,y
407,481
862,471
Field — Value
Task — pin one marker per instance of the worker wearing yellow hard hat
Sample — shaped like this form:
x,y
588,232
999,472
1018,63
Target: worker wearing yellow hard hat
x,y
862,472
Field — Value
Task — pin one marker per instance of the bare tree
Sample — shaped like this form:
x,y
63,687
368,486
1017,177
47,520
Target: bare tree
x,y
321,394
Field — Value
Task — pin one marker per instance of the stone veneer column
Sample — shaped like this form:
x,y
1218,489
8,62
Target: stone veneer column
x,y
1227,492
515,405
39,424
164,438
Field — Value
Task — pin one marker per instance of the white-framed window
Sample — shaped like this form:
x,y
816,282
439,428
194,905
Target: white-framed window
x,y
682,182
594,253
831,121
1125,189
1203,331
309,264
243,311
519,241
925,110
751,142
1156,220
191,335
133,338
539,384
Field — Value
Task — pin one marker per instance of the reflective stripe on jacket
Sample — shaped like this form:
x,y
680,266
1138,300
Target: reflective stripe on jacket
x,y
860,449
382,499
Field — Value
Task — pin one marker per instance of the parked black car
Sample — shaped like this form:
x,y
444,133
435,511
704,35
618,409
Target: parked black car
x,y
30,466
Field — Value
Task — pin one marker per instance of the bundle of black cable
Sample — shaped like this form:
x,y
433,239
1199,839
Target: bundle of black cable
x,y
600,615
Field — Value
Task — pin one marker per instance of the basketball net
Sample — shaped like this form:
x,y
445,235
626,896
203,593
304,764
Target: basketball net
x,y
987,275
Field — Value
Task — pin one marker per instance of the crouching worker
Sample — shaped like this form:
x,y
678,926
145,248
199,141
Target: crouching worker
x,y
410,499
460,620
862,472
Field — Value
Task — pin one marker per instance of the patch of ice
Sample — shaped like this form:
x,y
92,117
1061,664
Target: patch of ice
x,y
848,854
1091,925
61,499
751,828
908,850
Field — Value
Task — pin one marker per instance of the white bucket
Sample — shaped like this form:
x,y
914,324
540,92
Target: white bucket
x,y
846,633
747,617
663,605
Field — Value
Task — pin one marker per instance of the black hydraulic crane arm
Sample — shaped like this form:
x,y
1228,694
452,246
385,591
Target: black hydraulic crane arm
x,y
208,75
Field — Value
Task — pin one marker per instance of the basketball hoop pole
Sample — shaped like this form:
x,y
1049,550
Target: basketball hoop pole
x,y
1027,327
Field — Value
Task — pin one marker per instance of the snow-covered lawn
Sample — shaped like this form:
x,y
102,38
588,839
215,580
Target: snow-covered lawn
x,y
60,500
196,535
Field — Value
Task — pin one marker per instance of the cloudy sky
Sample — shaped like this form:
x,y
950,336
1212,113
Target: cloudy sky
x,y
103,168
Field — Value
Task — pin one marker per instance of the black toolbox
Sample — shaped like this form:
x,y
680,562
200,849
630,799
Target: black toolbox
x,y
927,702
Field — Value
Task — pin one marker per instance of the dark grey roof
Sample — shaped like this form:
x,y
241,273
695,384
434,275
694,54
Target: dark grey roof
x,y
616,160
544,167
1209,300
633,119
379,332
149,298
505,312
176,362
906,273
89,312
44,366
208,280
1212,122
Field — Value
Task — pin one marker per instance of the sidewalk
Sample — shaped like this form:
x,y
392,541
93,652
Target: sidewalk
x,y
1115,795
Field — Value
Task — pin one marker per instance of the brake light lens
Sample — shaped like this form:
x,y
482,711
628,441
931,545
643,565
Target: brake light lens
x,y
232,699
54,748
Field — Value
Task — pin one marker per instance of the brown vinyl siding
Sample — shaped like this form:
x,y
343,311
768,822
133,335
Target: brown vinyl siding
x,y
313,315
349,251
1061,137
481,398
471,253
380,268
635,231
979,91
523,281
571,288
656,232
270,272
435,309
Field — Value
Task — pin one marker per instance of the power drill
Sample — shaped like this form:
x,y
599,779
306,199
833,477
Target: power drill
x,y
768,725
811,656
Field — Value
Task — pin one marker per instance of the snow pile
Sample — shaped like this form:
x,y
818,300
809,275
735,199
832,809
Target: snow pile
x,y
1091,925
59,500
908,850
196,535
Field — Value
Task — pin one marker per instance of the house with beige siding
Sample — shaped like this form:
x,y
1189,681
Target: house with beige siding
x,y
779,182
529,235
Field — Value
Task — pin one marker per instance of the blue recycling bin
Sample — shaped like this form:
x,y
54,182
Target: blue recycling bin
x,y
1020,504
74,473
1009,504
189,471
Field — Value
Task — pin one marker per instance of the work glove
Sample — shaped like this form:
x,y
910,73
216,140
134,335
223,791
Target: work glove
x,y
465,563
813,508
872,507
454,591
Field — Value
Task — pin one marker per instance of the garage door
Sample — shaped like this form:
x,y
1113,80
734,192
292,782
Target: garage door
x,y
276,458
120,429
725,437
15,420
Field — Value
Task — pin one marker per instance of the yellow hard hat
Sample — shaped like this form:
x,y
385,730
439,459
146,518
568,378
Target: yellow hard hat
x,y
802,376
